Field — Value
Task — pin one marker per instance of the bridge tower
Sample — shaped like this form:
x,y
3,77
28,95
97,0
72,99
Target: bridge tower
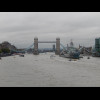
x,y
36,46
57,52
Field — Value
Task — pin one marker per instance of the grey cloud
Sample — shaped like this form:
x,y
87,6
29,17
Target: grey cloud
x,y
21,27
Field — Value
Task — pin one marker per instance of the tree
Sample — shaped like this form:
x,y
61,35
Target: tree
x,y
0,51
5,50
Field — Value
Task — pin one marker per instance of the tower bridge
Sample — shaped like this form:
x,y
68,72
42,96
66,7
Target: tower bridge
x,y
36,50
57,51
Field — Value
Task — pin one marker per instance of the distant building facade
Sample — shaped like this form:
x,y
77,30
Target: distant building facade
x,y
71,43
53,47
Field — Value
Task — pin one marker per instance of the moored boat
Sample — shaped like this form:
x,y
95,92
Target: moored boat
x,y
21,55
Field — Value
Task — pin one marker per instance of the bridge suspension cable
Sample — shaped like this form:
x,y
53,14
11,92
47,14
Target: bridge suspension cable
x,y
22,50
29,47
63,46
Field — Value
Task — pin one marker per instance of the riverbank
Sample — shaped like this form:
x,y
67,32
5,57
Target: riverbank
x,y
5,55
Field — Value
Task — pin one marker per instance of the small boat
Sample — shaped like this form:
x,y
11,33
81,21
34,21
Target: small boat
x,y
21,55
88,57
52,56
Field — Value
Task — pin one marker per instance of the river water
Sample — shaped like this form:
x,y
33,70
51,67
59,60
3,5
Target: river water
x,y
46,71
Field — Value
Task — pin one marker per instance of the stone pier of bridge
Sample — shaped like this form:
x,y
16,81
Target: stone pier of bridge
x,y
36,52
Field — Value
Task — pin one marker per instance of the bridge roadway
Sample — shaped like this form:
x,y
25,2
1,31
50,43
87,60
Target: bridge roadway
x,y
46,41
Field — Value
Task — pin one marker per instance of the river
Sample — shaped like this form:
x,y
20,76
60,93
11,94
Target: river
x,y
46,71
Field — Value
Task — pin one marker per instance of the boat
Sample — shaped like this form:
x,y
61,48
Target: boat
x,y
21,55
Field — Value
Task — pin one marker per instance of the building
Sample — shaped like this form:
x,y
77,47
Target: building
x,y
6,44
53,47
71,44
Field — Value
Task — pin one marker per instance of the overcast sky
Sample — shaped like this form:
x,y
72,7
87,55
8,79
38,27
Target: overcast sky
x,y
20,28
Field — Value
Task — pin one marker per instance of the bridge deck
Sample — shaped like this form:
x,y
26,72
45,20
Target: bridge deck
x,y
46,41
